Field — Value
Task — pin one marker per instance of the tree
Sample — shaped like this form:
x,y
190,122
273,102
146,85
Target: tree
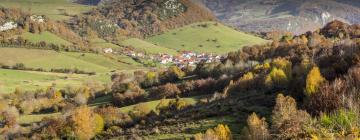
x,y
313,81
84,123
287,121
257,129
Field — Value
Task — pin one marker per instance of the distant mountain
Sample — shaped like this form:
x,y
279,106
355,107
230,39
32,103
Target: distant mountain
x,y
297,16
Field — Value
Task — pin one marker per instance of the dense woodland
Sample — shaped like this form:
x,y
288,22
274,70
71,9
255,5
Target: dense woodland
x,y
139,18
299,87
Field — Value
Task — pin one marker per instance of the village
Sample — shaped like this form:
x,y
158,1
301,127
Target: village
x,y
182,60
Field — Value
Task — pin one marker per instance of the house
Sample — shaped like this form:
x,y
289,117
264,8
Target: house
x,y
37,18
108,50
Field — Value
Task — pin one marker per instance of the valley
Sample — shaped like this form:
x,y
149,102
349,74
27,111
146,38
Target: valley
x,y
179,69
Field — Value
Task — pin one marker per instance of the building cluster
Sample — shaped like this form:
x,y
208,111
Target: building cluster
x,y
183,59
188,58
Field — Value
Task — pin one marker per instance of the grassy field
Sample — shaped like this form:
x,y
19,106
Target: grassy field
x,y
98,42
48,59
30,80
207,37
147,47
152,104
54,9
46,37
103,65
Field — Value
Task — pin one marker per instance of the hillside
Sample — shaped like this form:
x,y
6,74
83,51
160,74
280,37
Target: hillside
x,y
46,37
144,46
47,60
113,19
286,15
56,10
208,37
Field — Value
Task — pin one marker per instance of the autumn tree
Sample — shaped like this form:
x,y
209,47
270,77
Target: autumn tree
x,y
85,123
287,121
257,128
313,81
276,78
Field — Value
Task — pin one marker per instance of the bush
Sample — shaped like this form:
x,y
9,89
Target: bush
x,y
329,98
313,81
342,124
277,78
165,91
287,121
221,132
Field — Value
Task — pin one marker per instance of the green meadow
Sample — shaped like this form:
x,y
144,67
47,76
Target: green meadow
x,y
209,37
102,64
147,47
46,37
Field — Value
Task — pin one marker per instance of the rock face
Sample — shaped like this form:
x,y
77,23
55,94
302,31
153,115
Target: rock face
x,y
297,16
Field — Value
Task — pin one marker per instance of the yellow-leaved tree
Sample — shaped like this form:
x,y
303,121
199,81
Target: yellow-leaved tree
x,y
85,124
313,81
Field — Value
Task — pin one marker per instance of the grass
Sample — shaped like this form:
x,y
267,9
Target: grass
x,y
54,9
98,42
28,119
209,37
147,46
103,65
48,59
30,80
46,37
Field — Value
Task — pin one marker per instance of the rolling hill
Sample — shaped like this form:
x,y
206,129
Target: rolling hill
x,y
208,37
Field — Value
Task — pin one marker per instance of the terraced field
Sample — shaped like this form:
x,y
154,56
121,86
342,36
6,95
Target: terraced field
x,y
209,37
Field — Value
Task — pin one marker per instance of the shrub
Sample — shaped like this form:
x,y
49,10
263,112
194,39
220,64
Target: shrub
x,y
99,123
246,81
220,132
287,121
165,91
329,98
276,78
284,65
313,81
342,124
139,111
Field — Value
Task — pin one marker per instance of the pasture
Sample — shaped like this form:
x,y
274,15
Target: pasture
x,y
208,37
